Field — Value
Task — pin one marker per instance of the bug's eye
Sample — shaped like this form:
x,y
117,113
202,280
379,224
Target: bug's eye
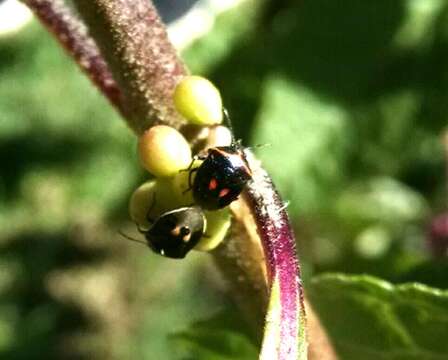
x,y
185,231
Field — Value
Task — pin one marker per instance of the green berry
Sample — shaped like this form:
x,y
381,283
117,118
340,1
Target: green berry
x,y
198,100
218,223
180,185
219,136
153,198
164,151
140,203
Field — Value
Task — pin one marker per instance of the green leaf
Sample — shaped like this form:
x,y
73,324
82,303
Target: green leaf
x,y
229,29
432,273
368,318
62,147
296,121
337,50
218,338
383,200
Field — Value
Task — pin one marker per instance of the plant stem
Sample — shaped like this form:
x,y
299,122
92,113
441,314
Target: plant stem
x,y
437,235
135,44
241,261
282,265
445,148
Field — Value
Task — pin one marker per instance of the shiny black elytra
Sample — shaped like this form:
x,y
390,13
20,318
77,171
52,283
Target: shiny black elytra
x,y
221,177
174,233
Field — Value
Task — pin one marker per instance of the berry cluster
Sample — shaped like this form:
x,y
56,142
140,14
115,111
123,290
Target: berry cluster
x,y
184,207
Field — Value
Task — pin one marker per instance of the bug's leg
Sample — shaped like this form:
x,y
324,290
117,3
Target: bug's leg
x,y
190,185
140,229
189,166
151,208
190,180
196,157
131,238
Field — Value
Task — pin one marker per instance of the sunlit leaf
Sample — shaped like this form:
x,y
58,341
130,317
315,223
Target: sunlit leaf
x,y
368,318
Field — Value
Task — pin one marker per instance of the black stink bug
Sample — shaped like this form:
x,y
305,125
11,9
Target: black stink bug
x,y
221,177
174,233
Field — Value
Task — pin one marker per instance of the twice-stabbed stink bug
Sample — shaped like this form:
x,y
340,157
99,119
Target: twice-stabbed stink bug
x,y
174,233
221,177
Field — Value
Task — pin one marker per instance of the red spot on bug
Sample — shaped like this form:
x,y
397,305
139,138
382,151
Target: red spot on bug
x,y
213,184
223,192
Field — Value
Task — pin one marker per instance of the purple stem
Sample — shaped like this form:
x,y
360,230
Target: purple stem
x,y
437,236
281,260
135,44
72,34
445,147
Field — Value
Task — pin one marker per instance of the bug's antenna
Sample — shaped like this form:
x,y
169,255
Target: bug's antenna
x,y
228,122
258,146
226,118
130,238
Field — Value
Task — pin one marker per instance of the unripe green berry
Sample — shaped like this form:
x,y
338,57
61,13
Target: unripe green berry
x,y
198,100
218,223
219,136
180,184
164,151
153,198
140,203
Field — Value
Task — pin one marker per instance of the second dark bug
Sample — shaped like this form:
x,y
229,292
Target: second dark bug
x,y
174,233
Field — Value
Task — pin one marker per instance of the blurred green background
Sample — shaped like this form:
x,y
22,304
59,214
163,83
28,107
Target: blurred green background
x,y
351,98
